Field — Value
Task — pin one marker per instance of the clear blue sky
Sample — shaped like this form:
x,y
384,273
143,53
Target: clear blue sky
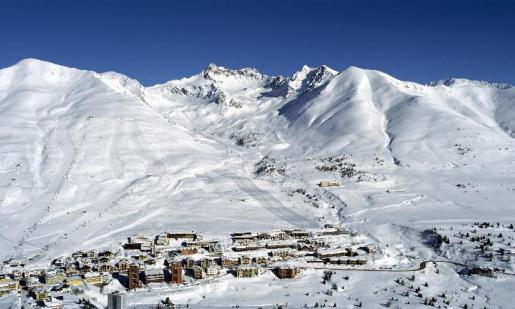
x,y
154,41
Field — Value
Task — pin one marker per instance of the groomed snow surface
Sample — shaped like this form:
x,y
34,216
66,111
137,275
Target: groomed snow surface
x,y
88,159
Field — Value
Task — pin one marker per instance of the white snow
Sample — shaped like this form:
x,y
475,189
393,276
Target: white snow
x,y
87,159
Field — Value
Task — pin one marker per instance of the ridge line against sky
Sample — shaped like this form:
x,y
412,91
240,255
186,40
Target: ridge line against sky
x,y
430,83
156,41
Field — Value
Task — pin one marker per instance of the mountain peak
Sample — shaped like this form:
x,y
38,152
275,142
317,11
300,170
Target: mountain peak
x,y
308,78
32,72
38,65
213,71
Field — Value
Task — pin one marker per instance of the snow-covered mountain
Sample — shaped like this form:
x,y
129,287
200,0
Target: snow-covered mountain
x,y
87,159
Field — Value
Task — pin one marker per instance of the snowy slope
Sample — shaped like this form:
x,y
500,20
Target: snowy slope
x,y
87,158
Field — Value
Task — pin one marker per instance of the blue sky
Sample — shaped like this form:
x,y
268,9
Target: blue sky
x,y
155,41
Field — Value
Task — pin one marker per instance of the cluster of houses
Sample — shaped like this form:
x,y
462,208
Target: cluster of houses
x,y
186,258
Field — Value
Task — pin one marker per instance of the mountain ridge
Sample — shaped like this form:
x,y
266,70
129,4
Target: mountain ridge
x,y
446,81
82,152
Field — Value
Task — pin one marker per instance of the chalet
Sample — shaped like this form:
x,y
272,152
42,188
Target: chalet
x,y
261,260
7,285
277,245
161,240
243,237
74,280
132,246
328,183
315,241
246,272
286,272
108,254
53,305
212,270
248,247
39,294
86,268
282,254
4,290
368,249
329,231
158,254
188,263
35,272
346,261
187,251
31,281
199,243
53,277
279,235
106,278
241,234
306,247
71,270
206,262
139,243
229,262
264,236
325,254
197,272
93,278
141,257
154,275
122,265
215,248
92,254
105,267
192,236
79,254
17,274
299,234
58,262
244,260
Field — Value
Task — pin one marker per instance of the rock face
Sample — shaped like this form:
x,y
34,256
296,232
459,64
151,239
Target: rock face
x,y
215,72
308,79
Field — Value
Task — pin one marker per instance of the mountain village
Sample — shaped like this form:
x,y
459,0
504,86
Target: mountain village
x,y
184,258
179,260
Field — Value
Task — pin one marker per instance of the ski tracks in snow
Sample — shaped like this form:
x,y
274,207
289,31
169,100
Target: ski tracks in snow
x,y
404,203
124,228
268,201
157,166
67,171
115,162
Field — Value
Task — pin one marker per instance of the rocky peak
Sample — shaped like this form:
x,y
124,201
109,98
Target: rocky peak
x,y
214,72
309,78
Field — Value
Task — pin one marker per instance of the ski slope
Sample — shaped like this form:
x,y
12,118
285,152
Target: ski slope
x,y
87,159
